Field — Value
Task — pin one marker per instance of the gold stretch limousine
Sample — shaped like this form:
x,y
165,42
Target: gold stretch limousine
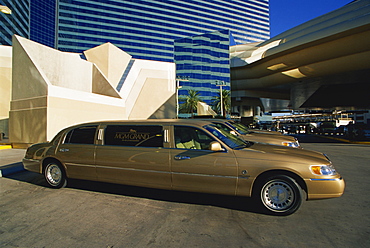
x,y
188,155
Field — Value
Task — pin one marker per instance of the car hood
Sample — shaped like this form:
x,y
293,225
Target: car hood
x,y
264,131
275,139
282,153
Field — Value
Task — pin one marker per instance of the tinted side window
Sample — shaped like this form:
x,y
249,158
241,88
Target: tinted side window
x,y
134,135
191,138
81,135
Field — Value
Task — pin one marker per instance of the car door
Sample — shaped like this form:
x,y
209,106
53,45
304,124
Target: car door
x,y
134,155
77,152
196,168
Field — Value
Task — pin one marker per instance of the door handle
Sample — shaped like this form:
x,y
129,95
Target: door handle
x,y
179,157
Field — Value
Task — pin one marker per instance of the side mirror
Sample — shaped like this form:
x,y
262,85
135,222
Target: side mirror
x,y
215,146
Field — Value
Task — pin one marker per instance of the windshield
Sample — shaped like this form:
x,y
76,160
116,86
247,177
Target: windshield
x,y
224,127
230,140
241,128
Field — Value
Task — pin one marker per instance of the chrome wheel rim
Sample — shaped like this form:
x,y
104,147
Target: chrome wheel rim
x,y
53,174
277,196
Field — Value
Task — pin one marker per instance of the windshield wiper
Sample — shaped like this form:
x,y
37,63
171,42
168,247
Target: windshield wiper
x,y
240,147
246,145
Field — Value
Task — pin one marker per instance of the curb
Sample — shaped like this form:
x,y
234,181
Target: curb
x,y
5,147
11,169
348,141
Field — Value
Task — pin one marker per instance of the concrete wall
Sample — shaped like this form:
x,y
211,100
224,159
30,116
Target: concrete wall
x,y
52,90
148,85
111,60
5,87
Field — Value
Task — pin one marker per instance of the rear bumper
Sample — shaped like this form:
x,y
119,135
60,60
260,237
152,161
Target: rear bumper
x,y
32,165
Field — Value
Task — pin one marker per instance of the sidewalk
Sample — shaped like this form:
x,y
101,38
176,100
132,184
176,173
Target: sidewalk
x,y
10,160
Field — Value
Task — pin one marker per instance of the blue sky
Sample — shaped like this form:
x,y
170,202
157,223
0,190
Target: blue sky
x,y
286,14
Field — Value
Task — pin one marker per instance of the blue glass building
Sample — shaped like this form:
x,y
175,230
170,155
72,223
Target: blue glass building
x,y
146,29
43,21
204,61
15,23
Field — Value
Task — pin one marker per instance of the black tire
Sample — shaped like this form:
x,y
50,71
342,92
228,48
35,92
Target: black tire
x,y
54,175
279,195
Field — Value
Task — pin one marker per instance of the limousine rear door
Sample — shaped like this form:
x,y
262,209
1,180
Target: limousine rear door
x,y
196,168
134,155
77,152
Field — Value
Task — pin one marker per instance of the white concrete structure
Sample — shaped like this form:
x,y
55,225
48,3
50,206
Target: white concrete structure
x,y
205,109
5,87
52,89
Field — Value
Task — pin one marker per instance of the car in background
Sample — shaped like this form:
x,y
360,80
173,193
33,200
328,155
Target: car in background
x,y
357,131
326,128
186,155
241,130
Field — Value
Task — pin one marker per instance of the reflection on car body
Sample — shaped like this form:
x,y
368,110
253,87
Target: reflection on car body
x,y
188,155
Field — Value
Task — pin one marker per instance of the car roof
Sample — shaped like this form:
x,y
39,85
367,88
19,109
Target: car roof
x,y
195,122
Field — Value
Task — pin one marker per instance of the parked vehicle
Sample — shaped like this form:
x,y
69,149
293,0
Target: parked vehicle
x,y
326,128
260,137
357,131
188,155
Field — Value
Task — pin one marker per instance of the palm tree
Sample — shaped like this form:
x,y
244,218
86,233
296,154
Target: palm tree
x,y
190,102
226,100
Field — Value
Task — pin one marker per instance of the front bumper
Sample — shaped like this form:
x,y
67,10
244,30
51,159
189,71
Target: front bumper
x,y
325,188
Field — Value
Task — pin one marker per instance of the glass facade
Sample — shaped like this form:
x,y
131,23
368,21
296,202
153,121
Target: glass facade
x,y
146,29
194,34
204,61
43,21
15,23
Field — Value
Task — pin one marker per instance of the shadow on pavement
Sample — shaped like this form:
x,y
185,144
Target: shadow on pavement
x,y
228,202
11,169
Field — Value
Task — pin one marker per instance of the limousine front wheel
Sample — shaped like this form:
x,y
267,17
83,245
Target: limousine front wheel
x,y
279,195
54,175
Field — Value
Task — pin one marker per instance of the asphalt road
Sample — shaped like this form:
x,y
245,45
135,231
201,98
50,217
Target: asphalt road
x,y
91,214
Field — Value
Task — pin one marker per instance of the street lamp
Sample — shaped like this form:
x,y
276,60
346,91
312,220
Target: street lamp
x,y
221,83
178,79
5,10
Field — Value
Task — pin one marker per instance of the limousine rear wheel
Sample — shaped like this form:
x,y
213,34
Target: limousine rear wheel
x,y
279,195
54,175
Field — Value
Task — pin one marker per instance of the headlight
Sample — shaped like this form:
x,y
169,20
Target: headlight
x,y
291,144
323,170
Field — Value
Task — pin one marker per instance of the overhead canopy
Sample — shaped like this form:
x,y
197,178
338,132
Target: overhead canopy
x,y
331,49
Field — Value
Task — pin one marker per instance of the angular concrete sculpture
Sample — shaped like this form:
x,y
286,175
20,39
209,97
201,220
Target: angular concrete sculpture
x,y
5,88
111,61
53,89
